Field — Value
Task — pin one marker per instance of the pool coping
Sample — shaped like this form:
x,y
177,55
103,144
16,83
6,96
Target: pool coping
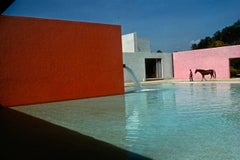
x,y
156,82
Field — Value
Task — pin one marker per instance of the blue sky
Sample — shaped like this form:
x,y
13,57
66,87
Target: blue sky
x,y
170,25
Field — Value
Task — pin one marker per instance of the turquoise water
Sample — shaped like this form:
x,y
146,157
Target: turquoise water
x,y
185,121
181,121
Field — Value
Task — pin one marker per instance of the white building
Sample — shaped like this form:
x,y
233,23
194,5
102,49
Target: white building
x,y
145,64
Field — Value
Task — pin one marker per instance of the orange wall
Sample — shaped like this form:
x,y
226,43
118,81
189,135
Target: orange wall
x,y
44,60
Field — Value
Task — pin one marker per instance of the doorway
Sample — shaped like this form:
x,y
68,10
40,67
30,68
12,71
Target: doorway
x,y
234,67
153,68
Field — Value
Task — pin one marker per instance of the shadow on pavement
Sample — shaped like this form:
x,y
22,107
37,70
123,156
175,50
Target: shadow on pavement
x,y
26,137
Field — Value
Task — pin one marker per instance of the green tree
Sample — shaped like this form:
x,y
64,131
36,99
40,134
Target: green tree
x,y
227,36
216,43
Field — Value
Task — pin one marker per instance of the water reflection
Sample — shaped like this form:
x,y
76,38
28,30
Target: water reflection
x,y
177,117
144,115
233,113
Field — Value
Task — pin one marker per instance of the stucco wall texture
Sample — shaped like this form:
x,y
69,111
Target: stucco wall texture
x,y
44,60
212,58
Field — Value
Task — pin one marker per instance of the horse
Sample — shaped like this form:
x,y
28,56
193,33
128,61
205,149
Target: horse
x,y
206,72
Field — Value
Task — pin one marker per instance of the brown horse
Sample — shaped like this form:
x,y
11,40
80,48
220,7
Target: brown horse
x,y
206,72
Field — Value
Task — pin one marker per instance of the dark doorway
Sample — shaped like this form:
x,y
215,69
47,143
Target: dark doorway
x,y
153,68
234,67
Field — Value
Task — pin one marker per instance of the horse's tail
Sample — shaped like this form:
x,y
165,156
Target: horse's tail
x,y
214,74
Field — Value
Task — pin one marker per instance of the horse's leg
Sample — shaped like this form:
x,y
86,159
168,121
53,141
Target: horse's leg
x,y
204,77
212,75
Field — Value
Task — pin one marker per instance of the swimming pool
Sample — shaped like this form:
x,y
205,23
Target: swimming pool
x,y
168,121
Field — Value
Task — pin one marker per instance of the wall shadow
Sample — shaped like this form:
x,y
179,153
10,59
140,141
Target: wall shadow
x,y
4,4
23,136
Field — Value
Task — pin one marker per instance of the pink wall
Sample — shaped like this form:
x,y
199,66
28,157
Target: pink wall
x,y
212,58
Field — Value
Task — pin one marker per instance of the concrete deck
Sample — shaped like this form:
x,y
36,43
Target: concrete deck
x,y
26,137
156,82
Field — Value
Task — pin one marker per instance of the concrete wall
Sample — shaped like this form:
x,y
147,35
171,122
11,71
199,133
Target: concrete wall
x,y
44,60
135,51
212,58
129,42
132,43
143,45
136,61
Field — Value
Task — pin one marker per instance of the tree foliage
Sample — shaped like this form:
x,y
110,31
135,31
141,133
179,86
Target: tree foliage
x,y
228,36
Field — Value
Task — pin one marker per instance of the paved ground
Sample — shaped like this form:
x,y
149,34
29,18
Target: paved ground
x,y
156,82
26,137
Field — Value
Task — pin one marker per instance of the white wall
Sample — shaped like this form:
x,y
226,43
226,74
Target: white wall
x,y
143,45
129,42
136,61
135,51
132,43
